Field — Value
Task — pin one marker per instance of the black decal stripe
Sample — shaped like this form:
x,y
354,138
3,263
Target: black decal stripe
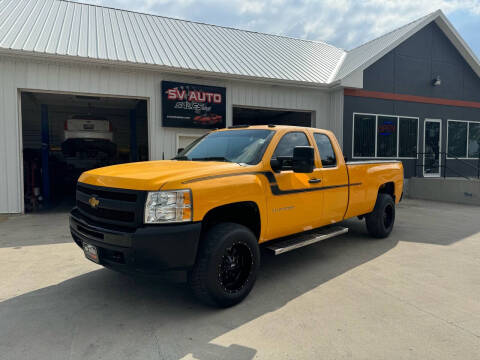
x,y
276,191
221,176
355,184
273,183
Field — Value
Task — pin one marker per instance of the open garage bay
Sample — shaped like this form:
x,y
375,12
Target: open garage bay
x,y
66,134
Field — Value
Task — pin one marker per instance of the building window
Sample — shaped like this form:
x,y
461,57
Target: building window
x,y
408,137
364,135
384,136
457,139
463,139
474,140
387,136
325,148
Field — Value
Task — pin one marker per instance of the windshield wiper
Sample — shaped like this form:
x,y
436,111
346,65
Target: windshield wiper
x,y
211,158
183,157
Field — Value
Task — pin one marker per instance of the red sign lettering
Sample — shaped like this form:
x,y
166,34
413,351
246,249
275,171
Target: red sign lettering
x,y
194,95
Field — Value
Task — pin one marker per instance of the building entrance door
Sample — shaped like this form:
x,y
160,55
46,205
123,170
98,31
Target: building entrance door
x,y
432,145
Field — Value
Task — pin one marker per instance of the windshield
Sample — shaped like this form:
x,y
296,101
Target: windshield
x,y
239,146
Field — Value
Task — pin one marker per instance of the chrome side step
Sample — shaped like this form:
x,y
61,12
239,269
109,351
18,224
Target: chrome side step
x,y
297,241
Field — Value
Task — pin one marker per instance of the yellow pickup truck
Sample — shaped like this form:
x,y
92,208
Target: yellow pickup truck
x,y
232,191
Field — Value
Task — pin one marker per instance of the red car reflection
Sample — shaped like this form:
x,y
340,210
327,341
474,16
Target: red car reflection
x,y
207,119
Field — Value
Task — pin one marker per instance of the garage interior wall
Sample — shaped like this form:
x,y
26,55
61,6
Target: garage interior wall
x,y
46,190
18,73
57,115
261,116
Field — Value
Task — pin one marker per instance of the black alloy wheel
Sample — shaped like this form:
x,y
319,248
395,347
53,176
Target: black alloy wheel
x,y
236,266
388,216
380,221
227,265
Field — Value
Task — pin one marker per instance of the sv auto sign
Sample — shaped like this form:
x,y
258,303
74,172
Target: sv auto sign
x,y
193,106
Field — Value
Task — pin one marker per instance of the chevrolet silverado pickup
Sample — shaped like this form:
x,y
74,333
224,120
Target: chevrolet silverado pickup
x,y
210,209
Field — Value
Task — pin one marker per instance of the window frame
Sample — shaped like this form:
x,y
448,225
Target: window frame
x,y
399,118
468,139
289,132
320,155
376,137
179,135
353,137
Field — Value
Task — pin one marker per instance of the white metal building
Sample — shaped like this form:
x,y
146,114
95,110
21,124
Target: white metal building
x,y
70,56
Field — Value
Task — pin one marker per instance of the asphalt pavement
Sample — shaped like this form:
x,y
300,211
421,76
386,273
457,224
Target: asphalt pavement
x,y
414,295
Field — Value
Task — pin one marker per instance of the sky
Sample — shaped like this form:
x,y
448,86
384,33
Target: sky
x,y
343,23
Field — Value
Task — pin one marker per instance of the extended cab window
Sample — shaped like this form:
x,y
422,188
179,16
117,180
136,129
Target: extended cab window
x,y
288,142
325,149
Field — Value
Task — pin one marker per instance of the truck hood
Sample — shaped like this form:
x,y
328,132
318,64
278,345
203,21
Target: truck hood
x,y
152,175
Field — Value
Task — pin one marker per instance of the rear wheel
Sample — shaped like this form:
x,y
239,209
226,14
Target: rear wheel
x,y
380,221
227,265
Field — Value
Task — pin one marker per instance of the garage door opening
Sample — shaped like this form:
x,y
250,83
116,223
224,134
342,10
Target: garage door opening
x,y
257,116
65,135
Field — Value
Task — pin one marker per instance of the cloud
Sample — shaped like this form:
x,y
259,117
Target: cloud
x,y
343,23
252,7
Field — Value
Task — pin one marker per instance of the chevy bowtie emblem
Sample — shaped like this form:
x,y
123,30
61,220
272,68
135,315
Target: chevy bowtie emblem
x,y
93,202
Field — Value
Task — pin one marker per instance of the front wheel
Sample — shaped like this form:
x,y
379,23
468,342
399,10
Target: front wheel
x,y
380,221
227,265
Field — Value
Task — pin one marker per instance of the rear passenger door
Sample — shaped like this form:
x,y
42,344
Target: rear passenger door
x,y
294,205
334,178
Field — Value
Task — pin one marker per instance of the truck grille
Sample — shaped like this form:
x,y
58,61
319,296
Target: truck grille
x,y
107,213
112,206
110,194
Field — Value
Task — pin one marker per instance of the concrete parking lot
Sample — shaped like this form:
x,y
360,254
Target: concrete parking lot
x,y
415,295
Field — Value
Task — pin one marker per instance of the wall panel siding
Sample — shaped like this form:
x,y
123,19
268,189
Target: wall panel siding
x,y
422,111
409,70
18,73
4,153
335,114
11,142
266,96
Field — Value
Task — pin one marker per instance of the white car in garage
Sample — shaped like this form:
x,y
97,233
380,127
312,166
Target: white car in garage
x,y
87,135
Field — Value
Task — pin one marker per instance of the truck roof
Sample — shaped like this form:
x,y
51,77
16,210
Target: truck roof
x,y
264,127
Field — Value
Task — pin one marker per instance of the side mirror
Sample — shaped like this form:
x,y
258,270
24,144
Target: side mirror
x,y
281,163
179,150
303,159
276,165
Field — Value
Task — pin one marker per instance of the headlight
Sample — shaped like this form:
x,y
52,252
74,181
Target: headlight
x,y
168,207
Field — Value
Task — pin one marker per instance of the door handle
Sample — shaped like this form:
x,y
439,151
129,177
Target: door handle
x,y
315,181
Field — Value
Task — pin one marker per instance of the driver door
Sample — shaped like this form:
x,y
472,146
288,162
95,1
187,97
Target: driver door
x,y
295,203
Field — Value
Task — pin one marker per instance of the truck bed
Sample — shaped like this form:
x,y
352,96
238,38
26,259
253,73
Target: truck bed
x,y
366,177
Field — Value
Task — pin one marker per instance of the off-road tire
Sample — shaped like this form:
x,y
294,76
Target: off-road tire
x,y
206,277
380,221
